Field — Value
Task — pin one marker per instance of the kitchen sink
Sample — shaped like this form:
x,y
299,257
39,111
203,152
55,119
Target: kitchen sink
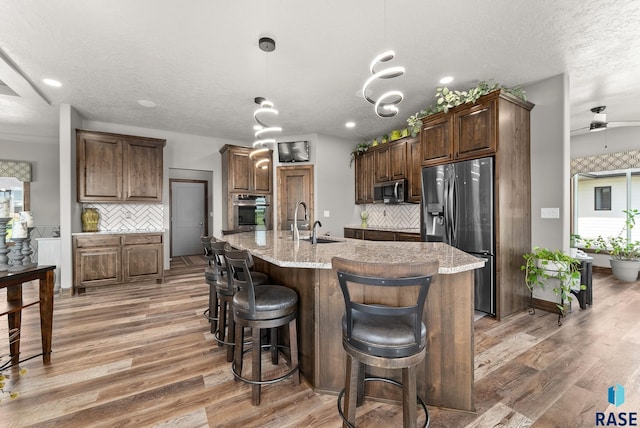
x,y
323,240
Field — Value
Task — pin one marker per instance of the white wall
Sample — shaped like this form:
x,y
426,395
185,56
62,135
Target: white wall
x,y
550,161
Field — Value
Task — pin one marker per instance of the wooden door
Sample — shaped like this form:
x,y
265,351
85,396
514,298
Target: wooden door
x,y
99,166
436,141
142,171
295,183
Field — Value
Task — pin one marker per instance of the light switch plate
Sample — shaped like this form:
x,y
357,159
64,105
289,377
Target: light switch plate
x,y
326,213
550,213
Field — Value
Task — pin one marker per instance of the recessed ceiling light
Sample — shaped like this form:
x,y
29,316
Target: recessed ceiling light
x,y
52,82
350,124
446,79
146,103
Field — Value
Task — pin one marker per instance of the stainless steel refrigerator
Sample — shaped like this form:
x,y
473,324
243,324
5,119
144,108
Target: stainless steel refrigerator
x,y
457,207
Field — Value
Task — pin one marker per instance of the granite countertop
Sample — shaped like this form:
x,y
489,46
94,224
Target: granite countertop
x,y
415,230
119,232
278,248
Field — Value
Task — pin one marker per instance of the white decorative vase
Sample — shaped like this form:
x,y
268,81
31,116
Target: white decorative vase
x,y
625,270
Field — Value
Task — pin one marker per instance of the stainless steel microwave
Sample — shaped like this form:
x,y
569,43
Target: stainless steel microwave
x,y
390,192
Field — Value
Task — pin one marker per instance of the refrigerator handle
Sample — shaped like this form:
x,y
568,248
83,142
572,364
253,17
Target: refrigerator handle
x,y
448,211
453,198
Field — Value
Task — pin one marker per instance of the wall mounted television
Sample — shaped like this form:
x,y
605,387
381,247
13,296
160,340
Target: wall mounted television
x,y
293,151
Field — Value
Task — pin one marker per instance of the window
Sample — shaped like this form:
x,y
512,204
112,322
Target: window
x,y
602,198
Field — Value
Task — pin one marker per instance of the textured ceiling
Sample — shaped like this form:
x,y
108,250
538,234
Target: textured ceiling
x,y
199,59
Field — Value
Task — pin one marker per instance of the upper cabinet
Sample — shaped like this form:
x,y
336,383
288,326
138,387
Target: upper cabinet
x,y
118,168
240,173
364,178
466,132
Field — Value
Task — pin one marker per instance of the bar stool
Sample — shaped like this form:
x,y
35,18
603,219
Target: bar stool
x,y
374,333
225,290
265,307
212,272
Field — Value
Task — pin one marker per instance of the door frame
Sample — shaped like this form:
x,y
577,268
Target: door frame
x,y
204,215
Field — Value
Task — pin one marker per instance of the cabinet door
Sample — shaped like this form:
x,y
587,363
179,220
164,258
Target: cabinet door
x,y
239,166
99,167
364,178
436,142
414,165
97,266
378,235
403,236
142,164
261,176
352,233
398,160
141,262
382,165
475,131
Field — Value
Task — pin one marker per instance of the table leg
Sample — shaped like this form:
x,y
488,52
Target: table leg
x,y
46,314
15,294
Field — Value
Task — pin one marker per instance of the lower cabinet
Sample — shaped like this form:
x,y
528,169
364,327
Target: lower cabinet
x,y
380,235
101,260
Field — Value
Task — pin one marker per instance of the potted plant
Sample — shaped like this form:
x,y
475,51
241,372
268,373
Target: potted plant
x,y
625,253
542,266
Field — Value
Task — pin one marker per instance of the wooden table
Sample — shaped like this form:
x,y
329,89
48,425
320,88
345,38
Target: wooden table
x,y
13,281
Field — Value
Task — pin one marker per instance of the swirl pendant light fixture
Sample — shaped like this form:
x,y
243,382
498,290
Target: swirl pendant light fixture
x,y
261,128
385,104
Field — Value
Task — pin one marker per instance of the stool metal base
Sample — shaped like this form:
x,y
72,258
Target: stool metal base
x,y
239,377
392,382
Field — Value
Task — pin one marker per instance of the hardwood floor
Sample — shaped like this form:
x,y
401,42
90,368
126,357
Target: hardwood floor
x,y
142,355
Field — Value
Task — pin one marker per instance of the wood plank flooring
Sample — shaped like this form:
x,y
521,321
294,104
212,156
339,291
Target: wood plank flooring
x,y
142,355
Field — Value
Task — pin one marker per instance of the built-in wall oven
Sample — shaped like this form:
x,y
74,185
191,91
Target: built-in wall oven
x,y
251,212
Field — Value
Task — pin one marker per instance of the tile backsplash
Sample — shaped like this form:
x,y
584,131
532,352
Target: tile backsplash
x,y
402,216
129,216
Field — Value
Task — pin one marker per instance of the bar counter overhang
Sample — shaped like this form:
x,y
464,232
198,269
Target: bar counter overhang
x,y
446,377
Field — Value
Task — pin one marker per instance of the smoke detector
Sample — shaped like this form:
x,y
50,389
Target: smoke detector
x,y
267,44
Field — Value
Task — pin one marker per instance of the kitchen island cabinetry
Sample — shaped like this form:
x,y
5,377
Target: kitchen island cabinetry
x,y
118,168
101,259
444,379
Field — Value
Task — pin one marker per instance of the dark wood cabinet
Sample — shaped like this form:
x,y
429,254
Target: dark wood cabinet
x,y
364,168
475,130
435,138
382,164
398,160
118,168
414,170
240,174
380,235
100,260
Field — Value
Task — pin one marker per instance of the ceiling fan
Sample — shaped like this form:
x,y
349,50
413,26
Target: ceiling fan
x,y
599,122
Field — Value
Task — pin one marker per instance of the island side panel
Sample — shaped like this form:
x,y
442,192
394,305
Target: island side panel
x,y
304,282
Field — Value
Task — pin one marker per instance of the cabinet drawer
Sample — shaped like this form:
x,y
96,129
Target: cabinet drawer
x,y
97,241
134,239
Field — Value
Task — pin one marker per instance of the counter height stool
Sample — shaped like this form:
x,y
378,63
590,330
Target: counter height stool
x,y
212,273
376,334
265,307
225,290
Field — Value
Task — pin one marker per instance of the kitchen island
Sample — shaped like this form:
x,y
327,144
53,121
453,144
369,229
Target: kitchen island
x,y
445,379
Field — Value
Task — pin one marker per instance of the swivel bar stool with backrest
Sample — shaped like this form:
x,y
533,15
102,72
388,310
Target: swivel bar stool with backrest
x,y
383,328
225,290
211,274
265,307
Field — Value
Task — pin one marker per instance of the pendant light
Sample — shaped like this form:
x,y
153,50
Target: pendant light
x,y
263,130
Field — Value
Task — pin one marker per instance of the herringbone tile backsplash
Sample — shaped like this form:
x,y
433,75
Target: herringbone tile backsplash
x,y
403,216
116,217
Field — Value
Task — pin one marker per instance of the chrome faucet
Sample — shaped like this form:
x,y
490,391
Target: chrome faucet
x,y
296,233
314,233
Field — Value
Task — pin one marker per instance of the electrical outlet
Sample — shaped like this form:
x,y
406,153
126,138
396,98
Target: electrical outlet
x,y
127,214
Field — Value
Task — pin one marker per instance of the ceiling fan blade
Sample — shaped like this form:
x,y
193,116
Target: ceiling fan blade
x,y
579,131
